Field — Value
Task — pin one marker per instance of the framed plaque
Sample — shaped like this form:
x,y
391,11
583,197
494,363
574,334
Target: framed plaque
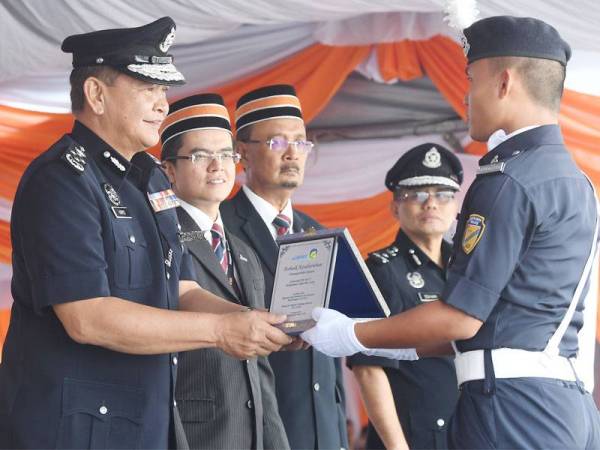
x,y
322,268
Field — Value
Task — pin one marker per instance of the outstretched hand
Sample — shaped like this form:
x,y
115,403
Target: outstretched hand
x,y
333,334
248,334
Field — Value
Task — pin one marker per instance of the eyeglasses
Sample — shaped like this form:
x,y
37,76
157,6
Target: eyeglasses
x,y
206,158
422,196
280,144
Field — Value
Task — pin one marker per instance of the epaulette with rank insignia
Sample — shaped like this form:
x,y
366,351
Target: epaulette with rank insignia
x,y
495,165
392,250
491,168
385,255
75,157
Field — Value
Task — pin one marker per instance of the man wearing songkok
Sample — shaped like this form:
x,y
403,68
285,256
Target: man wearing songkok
x,y
271,139
409,402
521,263
224,403
98,270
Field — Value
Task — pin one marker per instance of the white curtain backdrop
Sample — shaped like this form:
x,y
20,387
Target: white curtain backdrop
x,y
206,64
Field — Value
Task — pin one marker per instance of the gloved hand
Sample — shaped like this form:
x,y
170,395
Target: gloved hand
x,y
333,334
402,354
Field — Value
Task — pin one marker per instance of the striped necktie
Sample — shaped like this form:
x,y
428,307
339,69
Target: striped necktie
x,y
218,246
282,224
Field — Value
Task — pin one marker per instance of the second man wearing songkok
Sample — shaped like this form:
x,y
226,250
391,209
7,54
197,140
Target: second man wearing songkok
x,y
223,402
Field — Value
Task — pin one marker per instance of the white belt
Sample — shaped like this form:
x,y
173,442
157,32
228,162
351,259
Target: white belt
x,y
513,363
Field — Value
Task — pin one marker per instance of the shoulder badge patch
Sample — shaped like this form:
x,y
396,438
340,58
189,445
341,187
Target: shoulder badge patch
x,y
76,158
473,232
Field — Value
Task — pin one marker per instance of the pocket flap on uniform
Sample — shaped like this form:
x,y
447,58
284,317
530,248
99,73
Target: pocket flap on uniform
x,y
102,400
196,410
125,235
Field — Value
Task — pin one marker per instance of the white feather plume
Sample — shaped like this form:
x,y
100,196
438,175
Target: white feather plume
x,y
460,13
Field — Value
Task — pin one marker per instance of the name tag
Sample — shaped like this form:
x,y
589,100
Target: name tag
x,y
163,200
120,212
428,297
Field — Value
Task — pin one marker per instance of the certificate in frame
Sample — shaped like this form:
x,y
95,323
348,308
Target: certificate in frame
x,y
333,276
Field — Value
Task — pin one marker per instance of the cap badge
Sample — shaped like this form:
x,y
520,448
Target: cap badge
x,y
432,159
415,279
167,41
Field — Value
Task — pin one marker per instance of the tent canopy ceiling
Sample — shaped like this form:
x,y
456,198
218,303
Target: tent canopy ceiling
x,y
410,102
386,110
218,41
199,21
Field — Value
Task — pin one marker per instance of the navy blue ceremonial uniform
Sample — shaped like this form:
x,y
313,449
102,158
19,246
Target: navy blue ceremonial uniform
x,y
82,227
424,391
524,235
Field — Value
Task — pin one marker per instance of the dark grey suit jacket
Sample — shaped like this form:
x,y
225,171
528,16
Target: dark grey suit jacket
x,y
225,403
309,384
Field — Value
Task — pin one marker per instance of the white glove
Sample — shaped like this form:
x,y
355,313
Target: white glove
x,y
333,334
403,354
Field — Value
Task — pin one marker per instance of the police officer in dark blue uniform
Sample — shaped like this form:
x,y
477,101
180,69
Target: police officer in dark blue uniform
x,y
413,399
98,267
526,240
